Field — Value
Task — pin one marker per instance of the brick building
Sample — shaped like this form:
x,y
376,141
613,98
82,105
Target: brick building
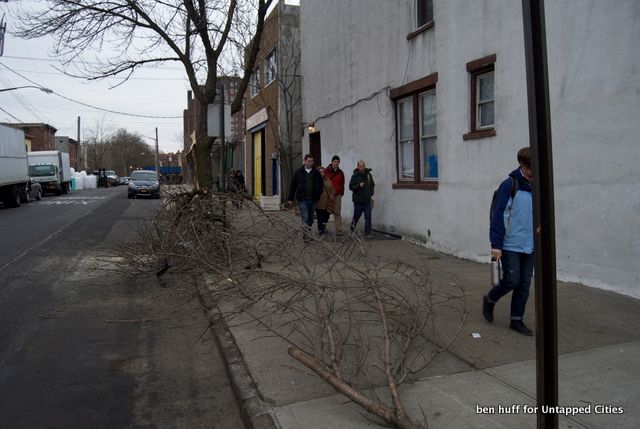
x,y
273,106
41,135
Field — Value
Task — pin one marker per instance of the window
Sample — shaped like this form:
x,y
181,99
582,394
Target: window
x,y
482,97
484,100
428,136
417,141
254,82
424,12
405,139
270,67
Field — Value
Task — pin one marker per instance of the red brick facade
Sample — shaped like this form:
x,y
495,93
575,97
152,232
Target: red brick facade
x,y
42,135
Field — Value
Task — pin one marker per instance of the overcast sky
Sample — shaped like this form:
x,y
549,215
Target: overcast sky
x,y
151,92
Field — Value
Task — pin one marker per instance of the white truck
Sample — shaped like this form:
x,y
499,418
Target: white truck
x,y
51,169
14,174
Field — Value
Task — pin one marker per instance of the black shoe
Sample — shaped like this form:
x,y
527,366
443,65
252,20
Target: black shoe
x,y
520,327
487,308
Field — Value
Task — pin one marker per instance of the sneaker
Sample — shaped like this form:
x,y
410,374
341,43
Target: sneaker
x,y
369,236
487,308
521,328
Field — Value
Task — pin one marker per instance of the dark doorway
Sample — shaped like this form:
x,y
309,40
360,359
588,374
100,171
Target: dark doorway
x,y
314,148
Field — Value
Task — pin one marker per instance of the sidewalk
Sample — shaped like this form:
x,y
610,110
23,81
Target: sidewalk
x,y
484,382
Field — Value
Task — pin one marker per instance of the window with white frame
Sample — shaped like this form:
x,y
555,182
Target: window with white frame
x,y
254,82
485,115
417,134
270,67
424,12
428,136
405,139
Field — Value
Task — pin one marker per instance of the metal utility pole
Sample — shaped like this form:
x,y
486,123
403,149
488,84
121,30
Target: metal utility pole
x,y
543,207
80,148
156,155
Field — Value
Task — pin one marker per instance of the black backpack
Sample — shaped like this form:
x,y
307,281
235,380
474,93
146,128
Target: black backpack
x,y
514,189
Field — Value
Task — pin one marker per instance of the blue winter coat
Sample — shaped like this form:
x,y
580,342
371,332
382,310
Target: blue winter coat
x,y
512,226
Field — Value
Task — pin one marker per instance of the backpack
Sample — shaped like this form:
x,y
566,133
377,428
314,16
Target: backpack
x,y
514,189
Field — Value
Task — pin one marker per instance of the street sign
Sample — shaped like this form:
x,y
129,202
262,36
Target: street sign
x,y
213,120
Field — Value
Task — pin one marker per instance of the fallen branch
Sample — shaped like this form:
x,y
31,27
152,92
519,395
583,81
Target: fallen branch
x,y
134,321
386,413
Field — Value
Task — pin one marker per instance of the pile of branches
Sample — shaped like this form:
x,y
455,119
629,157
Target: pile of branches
x,y
352,320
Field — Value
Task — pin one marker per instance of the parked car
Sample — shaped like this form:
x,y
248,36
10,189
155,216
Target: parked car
x,y
34,191
112,178
143,183
124,180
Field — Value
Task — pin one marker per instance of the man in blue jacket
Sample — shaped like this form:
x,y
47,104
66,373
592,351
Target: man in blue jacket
x,y
511,234
306,188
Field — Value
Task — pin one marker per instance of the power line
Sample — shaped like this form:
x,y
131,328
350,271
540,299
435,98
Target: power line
x,y
115,112
11,115
50,60
131,78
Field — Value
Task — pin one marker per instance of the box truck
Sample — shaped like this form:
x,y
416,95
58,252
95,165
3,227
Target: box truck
x,y
14,174
51,169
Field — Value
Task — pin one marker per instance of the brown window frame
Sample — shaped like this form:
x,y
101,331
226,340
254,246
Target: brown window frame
x,y
424,26
475,69
414,90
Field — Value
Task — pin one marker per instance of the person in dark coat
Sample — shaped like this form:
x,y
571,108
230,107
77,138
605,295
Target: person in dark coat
x,y
362,186
306,188
240,180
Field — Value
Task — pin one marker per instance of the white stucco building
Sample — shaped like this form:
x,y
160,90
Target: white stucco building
x,y
432,95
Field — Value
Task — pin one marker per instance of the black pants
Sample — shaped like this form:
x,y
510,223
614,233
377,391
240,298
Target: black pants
x,y
323,218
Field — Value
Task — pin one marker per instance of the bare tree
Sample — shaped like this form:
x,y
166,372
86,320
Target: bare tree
x,y
359,324
129,150
98,144
134,34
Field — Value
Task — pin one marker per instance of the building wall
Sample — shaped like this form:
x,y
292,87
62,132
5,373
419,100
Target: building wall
x,y
280,98
349,69
290,105
42,135
69,145
267,98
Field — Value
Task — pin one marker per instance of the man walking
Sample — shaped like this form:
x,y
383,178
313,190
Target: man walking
x,y
362,186
325,205
336,175
306,188
511,234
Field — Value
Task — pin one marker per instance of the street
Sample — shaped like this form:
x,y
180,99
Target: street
x,y
80,346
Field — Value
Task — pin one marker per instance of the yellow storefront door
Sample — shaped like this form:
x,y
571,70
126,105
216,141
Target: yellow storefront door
x,y
257,164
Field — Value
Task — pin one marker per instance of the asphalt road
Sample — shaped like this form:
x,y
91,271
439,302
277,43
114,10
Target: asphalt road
x,y
82,347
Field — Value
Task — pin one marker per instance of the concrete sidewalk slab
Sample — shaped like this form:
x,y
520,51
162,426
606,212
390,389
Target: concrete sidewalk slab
x,y
502,397
607,379
497,369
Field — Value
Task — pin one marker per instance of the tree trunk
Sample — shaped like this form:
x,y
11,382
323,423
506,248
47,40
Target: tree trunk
x,y
389,415
204,143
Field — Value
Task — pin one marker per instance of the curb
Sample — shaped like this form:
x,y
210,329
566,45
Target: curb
x,y
255,413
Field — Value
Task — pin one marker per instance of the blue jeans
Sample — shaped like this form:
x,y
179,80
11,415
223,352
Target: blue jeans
x,y
358,209
306,210
517,269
